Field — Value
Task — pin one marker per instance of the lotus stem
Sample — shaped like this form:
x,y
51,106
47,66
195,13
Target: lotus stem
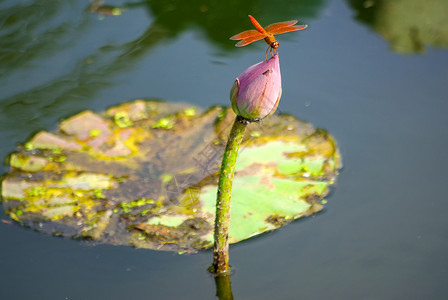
x,y
220,265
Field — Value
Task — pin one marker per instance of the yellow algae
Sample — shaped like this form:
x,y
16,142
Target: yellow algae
x,y
123,178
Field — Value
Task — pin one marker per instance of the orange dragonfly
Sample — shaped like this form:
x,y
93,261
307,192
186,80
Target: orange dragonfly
x,y
267,33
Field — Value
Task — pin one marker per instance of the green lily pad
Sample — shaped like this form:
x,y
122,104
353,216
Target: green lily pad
x,y
145,174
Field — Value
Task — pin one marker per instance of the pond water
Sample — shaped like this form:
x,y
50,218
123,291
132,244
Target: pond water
x,y
373,73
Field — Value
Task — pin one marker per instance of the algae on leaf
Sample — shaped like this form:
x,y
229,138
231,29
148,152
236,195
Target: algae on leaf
x,y
145,174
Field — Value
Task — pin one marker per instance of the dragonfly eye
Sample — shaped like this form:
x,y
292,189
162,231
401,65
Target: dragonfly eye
x,y
274,45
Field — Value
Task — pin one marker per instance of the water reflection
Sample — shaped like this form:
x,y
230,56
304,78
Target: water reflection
x,y
217,19
223,288
408,25
27,33
49,42
33,31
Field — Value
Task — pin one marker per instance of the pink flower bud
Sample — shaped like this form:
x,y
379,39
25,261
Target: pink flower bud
x,y
257,91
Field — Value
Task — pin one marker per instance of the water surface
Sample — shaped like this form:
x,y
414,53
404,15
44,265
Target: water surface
x,y
377,82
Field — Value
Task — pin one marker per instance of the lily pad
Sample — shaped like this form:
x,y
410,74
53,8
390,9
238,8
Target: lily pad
x,y
145,174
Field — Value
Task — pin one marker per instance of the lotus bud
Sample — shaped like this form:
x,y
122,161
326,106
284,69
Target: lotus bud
x,y
257,91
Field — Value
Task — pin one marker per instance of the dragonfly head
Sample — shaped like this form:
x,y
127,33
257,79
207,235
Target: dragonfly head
x,y
274,45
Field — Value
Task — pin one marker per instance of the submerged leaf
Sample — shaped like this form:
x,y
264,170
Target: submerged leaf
x,y
145,174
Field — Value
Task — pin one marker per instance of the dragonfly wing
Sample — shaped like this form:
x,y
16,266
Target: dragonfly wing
x,y
276,26
246,34
288,29
249,40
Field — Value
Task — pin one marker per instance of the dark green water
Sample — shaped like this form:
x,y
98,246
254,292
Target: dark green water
x,y
374,74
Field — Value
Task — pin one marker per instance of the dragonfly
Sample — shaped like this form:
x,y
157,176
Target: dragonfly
x,y
267,33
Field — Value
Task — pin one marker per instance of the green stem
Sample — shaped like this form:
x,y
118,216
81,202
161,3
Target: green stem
x,y
222,220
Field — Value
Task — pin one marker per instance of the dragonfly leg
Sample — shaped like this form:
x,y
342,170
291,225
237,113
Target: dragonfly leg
x,y
271,50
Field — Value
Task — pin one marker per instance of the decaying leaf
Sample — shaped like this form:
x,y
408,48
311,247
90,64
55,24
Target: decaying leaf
x,y
145,174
